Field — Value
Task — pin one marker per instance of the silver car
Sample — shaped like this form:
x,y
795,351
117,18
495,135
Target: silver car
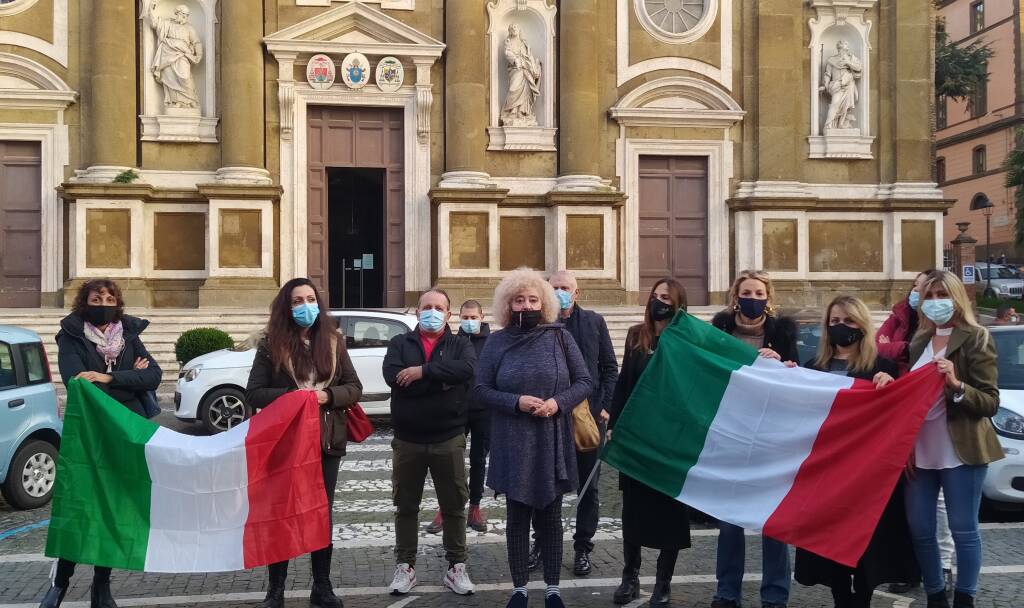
x,y
1004,282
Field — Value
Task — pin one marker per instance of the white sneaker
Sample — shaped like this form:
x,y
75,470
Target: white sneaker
x,y
405,580
458,581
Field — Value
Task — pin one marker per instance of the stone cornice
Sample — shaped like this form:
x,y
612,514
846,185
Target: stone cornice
x,y
148,194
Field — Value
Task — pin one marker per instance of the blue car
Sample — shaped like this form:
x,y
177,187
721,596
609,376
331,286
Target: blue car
x,y
30,424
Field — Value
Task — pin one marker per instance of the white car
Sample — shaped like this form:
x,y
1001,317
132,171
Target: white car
x,y
1004,484
211,388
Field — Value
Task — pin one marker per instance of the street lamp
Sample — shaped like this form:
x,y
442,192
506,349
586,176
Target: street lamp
x,y
980,201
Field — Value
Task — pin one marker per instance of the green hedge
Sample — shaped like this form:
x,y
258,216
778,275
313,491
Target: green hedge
x,y
197,342
994,303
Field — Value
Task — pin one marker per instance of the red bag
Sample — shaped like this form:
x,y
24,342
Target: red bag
x,y
358,424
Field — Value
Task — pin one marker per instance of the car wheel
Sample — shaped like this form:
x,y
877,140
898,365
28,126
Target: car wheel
x,y
223,409
29,482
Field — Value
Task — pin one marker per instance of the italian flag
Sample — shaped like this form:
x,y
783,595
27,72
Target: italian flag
x,y
132,495
805,457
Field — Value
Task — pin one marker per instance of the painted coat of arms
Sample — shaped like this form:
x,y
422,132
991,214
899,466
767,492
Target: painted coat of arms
x,y
355,70
320,72
390,74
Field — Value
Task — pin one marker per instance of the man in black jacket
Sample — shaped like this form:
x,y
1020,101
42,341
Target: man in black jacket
x,y
591,334
478,423
428,370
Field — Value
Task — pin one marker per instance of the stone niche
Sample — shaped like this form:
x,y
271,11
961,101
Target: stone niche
x,y
521,37
179,59
840,80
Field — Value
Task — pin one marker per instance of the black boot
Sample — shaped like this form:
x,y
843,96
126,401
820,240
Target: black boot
x,y
629,590
662,594
53,597
99,596
322,594
938,600
277,575
962,600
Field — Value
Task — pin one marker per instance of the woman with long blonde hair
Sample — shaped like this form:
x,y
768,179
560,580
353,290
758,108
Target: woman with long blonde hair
x,y
753,318
847,347
957,440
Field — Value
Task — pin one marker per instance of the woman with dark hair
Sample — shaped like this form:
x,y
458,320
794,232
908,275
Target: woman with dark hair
x,y
847,348
303,351
99,343
649,518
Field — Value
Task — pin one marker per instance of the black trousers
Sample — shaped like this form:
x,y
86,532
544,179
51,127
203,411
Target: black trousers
x,y
589,510
66,569
547,523
331,464
478,428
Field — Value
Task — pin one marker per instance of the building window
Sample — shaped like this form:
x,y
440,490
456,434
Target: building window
x,y
940,112
977,16
978,160
940,170
977,104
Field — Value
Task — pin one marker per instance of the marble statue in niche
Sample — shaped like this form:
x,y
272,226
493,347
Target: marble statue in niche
x,y
524,72
178,48
839,81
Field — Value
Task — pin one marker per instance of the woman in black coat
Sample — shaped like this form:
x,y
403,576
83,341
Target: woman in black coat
x,y
99,343
303,350
649,518
848,348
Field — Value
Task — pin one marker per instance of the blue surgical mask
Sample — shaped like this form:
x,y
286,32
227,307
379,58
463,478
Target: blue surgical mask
x,y
564,299
938,311
305,314
914,299
431,320
470,326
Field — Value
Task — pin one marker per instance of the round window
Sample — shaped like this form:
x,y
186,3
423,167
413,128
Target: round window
x,y
676,21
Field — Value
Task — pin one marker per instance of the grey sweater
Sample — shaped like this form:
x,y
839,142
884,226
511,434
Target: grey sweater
x,y
532,460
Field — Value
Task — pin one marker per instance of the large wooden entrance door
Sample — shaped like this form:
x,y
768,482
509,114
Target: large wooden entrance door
x,y
673,226
365,138
20,224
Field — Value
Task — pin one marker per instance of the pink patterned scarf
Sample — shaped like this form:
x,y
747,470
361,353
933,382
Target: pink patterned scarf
x,y
109,342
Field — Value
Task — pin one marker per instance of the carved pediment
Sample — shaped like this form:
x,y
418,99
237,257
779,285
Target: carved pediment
x,y
351,28
25,83
678,101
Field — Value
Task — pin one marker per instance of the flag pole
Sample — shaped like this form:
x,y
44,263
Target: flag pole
x,y
593,471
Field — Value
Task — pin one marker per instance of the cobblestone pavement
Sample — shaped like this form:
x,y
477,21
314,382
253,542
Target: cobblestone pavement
x,y
363,561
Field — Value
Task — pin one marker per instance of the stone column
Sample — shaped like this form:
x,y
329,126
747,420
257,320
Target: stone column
x,y
243,136
465,95
579,117
112,113
780,76
913,54
964,255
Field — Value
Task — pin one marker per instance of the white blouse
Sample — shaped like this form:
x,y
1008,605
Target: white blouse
x,y
934,447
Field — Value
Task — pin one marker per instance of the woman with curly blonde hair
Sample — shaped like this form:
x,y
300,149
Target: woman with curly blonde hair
x,y
531,375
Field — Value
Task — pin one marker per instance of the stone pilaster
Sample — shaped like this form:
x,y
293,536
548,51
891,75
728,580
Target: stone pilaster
x,y
465,95
580,115
242,120
780,75
112,113
913,55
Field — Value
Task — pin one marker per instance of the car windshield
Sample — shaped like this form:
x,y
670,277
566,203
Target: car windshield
x,y
1010,348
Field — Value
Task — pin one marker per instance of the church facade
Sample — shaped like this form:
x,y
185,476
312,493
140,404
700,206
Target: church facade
x,y
202,152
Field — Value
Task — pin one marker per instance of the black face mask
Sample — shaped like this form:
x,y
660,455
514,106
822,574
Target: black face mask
x,y
844,335
100,315
526,319
660,310
752,308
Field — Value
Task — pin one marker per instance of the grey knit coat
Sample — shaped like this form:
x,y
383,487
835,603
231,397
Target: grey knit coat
x,y
532,460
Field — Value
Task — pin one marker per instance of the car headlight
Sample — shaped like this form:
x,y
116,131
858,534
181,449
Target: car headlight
x,y
192,373
1009,423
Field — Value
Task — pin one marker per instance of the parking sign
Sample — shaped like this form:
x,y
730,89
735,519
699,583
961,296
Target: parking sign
x,y
968,275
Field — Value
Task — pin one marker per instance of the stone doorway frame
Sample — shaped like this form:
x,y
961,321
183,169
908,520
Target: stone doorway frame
x,y
292,47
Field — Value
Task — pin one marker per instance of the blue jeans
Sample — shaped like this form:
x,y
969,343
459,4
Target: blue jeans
x,y
962,488
732,556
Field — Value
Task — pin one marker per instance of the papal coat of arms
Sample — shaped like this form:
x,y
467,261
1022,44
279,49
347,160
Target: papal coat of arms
x,y
355,70
320,72
390,74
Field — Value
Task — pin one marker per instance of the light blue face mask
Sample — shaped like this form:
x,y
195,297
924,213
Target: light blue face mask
x,y
470,326
432,320
564,298
914,299
938,311
305,314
